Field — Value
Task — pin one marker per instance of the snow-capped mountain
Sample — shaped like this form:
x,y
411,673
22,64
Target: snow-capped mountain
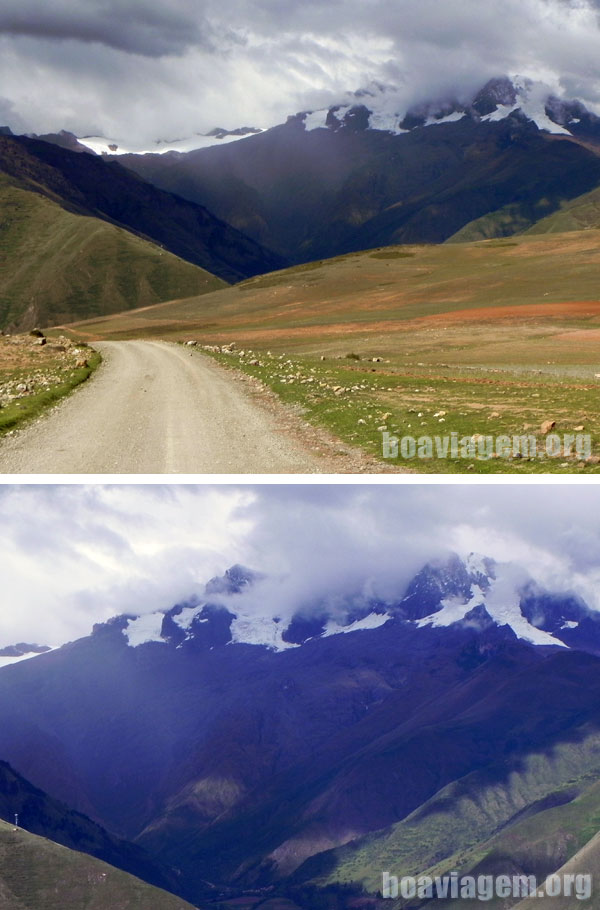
x,y
12,654
235,742
372,173
475,592
101,145
377,108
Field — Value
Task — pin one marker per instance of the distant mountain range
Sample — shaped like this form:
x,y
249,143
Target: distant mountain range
x,y
359,174
365,173
248,749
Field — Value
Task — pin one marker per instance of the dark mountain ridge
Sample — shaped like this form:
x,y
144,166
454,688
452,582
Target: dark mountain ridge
x,y
90,185
235,755
39,814
357,176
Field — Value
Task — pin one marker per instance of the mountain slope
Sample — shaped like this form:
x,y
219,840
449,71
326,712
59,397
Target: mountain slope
x,y
237,745
39,814
57,265
585,862
362,174
89,185
37,874
580,214
546,798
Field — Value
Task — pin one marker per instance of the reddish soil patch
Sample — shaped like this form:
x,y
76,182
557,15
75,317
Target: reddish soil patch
x,y
578,308
580,336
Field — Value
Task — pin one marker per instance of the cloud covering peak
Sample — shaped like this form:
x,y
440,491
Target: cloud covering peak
x,y
71,556
161,70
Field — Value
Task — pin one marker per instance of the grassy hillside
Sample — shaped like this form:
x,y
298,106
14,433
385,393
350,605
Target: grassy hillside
x,y
40,814
396,300
539,845
501,335
57,266
579,214
37,874
544,811
587,862
89,185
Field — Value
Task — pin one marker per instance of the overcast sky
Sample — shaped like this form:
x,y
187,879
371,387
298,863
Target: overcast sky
x,y
74,555
140,70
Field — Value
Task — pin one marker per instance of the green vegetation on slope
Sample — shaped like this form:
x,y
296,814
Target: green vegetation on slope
x,y
585,862
582,213
57,266
560,791
510,219
579,214
37,874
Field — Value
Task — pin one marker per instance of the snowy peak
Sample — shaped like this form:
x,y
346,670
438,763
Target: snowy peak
x,y
21,651
473,593
101,145
495,93
501,98
221,616
505,596
449,578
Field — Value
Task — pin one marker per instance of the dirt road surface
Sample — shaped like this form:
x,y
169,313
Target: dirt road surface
x,y
158,408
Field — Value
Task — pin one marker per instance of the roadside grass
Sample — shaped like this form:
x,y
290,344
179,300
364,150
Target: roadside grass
x,y
32,405
360,402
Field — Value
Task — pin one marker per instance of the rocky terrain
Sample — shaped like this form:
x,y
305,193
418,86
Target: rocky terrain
x,y
35,369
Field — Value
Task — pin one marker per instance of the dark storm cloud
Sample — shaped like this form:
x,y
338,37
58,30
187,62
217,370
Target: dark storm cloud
x,y
151,29
150,69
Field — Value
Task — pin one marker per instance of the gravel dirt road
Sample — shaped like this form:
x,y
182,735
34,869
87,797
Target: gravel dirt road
x,y
158,408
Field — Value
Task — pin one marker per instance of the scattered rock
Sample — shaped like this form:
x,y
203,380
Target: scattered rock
x,y
579,429
547,426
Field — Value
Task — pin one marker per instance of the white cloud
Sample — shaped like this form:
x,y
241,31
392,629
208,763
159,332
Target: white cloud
x,y
140,70
71,556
